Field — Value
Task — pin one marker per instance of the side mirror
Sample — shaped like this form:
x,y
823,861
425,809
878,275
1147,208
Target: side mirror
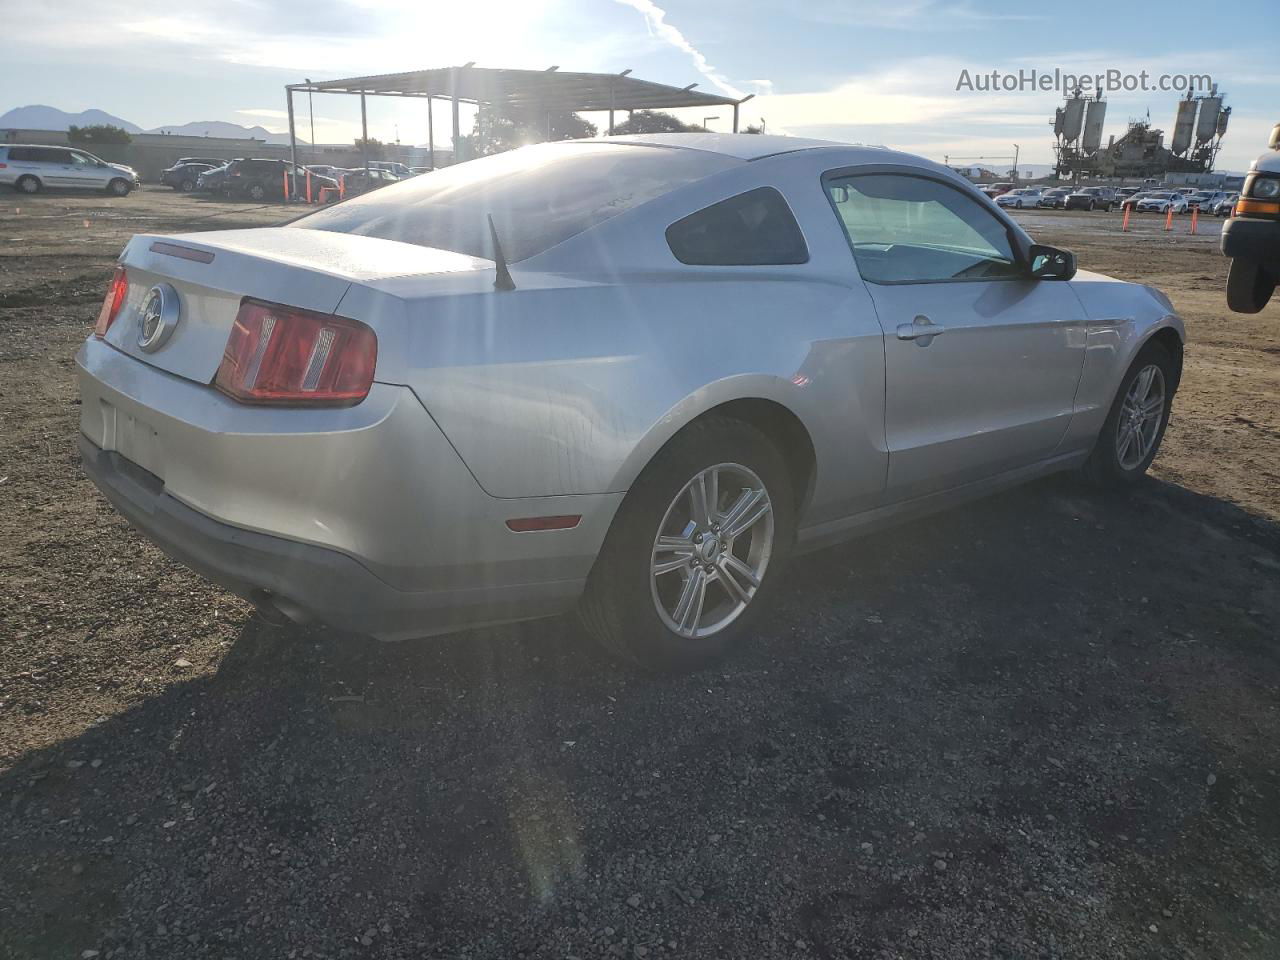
x,y
1050,263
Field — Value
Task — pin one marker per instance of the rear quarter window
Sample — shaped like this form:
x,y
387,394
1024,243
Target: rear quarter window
x,y
755,228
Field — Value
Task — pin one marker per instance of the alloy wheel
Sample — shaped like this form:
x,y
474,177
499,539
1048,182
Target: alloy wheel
x,y
1140,415
712,550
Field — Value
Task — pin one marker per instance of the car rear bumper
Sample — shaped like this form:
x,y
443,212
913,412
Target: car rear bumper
x,y
301,580
1252,238
362,517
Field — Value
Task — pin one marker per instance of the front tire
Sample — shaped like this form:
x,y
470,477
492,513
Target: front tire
x,y
257,192
28,185
1018,205
1131,436
1249,285
695,549
186,186
119,187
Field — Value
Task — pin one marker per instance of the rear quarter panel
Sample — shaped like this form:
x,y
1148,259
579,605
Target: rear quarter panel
x,y
574,389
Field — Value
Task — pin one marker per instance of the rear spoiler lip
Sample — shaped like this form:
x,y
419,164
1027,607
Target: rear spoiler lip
x,y
185,253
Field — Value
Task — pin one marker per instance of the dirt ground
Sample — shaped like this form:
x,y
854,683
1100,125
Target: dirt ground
x,y
1044,725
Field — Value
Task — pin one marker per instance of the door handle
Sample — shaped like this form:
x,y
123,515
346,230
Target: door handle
x,y
921,329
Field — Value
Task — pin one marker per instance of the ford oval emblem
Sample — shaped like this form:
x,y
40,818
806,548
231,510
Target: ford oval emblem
x,y
158,317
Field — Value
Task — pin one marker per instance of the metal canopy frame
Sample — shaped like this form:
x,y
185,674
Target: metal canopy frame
x,y
538,91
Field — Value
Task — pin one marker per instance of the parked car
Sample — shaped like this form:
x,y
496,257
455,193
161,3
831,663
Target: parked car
x,y
259,180
1225,206
209,161
1161,201
418,171
402,414
994,190
1090,198
1054,199
1251,238
1204,200
1022,197
30,168
357,181
398,170
183,176
1132,200
325,170
212,179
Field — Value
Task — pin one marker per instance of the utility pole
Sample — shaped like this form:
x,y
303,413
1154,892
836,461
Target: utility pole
x,y
312,114
1016,148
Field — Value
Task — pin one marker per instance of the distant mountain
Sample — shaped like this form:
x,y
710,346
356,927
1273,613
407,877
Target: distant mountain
x,y
221,128
40,117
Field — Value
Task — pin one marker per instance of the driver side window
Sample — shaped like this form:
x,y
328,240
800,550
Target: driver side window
x,y
908,229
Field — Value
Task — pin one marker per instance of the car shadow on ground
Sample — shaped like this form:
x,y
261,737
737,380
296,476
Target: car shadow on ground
x,y
1047,720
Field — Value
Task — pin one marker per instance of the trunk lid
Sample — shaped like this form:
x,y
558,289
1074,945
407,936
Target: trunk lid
x,y
212,272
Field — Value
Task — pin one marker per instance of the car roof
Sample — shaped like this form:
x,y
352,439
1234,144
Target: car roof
x,y
741,146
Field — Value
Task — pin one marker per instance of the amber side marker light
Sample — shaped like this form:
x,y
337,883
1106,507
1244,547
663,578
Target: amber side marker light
x,y
533,524
1245,205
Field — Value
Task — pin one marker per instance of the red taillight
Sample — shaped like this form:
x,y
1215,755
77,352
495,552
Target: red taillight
x,y
295,357
112,302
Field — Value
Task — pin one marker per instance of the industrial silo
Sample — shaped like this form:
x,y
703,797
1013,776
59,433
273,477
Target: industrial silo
x,y
1072,118
1207,126
1223,117
1184,126
1095,113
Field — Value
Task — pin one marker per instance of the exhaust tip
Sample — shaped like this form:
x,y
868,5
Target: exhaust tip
x,y
277,610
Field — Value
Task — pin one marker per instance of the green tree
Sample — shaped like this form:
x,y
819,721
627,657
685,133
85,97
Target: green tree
x,y
654,121
98,133
373,144
500,127
753,128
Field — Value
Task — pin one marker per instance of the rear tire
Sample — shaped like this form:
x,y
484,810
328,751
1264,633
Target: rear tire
x,y
1131,436
28,185
1249,285
186,186
634,608
119,187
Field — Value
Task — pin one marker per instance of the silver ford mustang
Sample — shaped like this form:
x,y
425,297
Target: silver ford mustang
x,y
628,376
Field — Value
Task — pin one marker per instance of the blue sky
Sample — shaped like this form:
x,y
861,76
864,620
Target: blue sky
x,y
854,71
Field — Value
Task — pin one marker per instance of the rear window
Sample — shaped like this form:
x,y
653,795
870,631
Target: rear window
x,y
751,229
538,196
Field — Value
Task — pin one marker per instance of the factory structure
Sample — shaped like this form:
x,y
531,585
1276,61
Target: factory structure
x,y
1141,151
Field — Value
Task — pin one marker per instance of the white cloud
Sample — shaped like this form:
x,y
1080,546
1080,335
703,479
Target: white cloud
x,y
656,18
914,15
